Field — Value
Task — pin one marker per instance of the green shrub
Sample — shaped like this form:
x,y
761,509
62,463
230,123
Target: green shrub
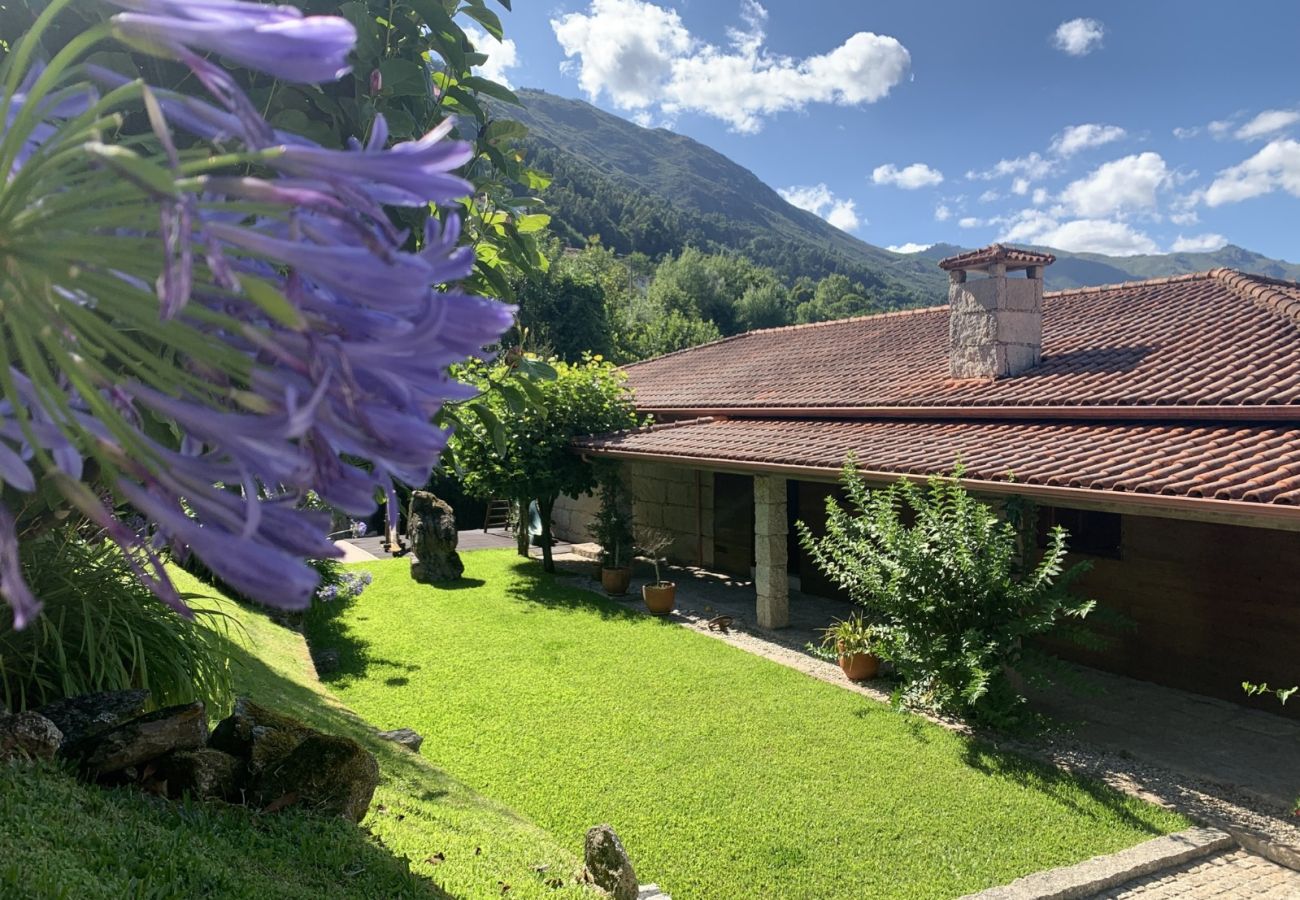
x,y
956,601
102,630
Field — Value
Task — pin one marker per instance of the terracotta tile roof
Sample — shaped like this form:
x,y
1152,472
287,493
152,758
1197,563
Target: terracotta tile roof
x,y
1218,338
1256,465
994,253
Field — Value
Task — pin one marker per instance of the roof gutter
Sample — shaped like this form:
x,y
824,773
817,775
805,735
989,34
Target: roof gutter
x,y
1227,512
1276,413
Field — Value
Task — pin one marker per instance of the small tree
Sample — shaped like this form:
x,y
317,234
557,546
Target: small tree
x,y
523,450
652,542
956,600
612,527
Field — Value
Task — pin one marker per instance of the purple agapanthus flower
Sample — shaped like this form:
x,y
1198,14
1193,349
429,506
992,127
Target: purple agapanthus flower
x,y
343,347
276,40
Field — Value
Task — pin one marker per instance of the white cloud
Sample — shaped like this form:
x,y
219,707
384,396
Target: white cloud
x,y
1122,185
1020,186
642,55
1184,133
1188,217
917,175
942,213
969,222
1081,137
819,200
990,196
1078,37
1032,166
1266,123
501,55
1040,196
1200,243
1275,167
909,247
1113,238
1219,127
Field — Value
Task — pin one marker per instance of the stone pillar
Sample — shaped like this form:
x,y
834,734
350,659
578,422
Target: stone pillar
x,y
771,581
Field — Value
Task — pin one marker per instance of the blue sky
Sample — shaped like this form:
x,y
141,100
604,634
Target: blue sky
x,y
1111,127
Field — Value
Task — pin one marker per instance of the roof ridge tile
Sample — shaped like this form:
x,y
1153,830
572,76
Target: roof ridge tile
x,y
1263,291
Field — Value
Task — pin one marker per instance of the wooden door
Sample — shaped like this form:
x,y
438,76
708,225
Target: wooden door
x,y
733,524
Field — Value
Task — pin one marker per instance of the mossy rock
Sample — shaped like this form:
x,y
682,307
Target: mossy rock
x,y
258,735
325,774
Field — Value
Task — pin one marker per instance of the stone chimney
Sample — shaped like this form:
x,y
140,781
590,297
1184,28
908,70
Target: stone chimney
x,y
996,325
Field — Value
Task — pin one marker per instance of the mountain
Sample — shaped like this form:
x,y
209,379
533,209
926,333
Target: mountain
x,y
1073,270
656,192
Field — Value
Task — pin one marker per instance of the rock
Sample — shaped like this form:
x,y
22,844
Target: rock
x,y
28,735
142,739
204,774
325,774
609,865
431,533
91,714
326,661
409,739
257,734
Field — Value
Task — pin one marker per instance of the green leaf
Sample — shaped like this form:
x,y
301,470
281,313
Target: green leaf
x,y
533,222
492,424
268,298
481,85
487,18
403,78
148,175
503,130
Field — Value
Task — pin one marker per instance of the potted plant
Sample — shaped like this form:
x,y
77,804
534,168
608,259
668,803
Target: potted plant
x,y
852,643
612,529
660,596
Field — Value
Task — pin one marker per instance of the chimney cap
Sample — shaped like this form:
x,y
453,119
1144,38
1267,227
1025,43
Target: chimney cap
x,y
1012,257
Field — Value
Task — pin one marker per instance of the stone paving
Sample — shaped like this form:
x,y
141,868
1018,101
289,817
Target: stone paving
x,y
1225,875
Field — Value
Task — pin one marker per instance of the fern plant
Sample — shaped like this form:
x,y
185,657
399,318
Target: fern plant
x,y
957,602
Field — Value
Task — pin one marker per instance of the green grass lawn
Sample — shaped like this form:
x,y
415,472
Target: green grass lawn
x,y
727,775
62,838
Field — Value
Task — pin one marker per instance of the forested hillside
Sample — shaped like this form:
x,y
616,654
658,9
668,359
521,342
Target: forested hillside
x,y
655,192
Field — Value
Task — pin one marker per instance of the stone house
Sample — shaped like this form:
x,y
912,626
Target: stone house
x,y
1159,421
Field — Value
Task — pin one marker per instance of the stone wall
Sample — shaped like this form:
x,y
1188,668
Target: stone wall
x,y
664,497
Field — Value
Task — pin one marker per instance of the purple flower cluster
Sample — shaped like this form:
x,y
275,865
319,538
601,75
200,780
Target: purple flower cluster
x,y
347,362
349,585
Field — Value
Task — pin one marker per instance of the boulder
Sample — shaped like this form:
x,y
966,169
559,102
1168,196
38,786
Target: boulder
x,y
408,738
609,865
257,734
91,714
204,774
325,774
141,740
326,661
431,534
28,735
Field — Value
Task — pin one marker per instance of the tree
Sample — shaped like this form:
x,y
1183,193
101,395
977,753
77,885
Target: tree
x,y
565,312
837,298
523,451
764,306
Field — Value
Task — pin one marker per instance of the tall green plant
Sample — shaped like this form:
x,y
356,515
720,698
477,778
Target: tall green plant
x,y
100,629
958,604
612,526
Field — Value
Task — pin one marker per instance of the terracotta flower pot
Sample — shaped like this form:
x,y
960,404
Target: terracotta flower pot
x,y
859,666
660,598
615,581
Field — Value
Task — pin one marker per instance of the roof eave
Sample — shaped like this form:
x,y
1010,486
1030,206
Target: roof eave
x,y
1204,509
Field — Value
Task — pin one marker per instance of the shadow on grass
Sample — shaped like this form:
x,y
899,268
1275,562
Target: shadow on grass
x,y
1062,787
326,630
425,781
533,585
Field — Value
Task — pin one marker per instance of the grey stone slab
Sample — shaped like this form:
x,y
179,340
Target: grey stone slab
x,y
1092,876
